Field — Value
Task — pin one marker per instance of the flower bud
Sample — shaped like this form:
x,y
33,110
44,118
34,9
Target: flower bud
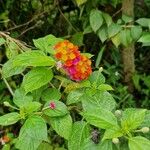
x,y
6,104
145,129
118,113
52,105
115,140
101,69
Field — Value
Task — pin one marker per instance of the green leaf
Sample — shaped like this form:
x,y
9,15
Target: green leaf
x,y
9,119
37,94
59,110
125,37
76,85
145,22
136,81
33,58
89,55
21,99
146,122
36,78
45,146
99,57
80,2
51,94
114,2
102,33
80,133
6,147
27,143
145,38
105,87
2,41
136,32
74,96
113,29
9,69
139,143
87,30
127,19
62,125
116,40
107,18
47,43
106,145
97,78
132,118
31,107
112,133
11,49
100,118
98,100
146,80
96,19
103,145
77,39
32,133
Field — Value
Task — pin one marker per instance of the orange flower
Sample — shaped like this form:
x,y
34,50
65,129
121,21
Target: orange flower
x,y
76,65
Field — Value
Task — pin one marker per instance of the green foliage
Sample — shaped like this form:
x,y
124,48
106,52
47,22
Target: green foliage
x,y
39,103
46,44
2,41
21,99
9,69
100,118
80,133
9,119
96,19
62,125
139,142
132,118
78,115
51,94
36,78
33,58
113,29
32,133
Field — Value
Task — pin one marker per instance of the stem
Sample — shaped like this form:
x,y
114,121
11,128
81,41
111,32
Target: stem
x,y
52,85
60,85
8,86
45,108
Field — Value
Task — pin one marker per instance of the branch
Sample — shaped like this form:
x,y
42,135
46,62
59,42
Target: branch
x,y
21,44
27,23
30,28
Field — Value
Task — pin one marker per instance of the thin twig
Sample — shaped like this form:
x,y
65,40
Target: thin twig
x,y
28,29
19,43
116,13
66,18
8,86
27,23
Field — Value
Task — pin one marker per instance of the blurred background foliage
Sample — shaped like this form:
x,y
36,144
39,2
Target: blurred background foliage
x,y
30,19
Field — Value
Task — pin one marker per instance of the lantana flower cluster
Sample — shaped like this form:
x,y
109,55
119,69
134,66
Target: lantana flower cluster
x,y
76,65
